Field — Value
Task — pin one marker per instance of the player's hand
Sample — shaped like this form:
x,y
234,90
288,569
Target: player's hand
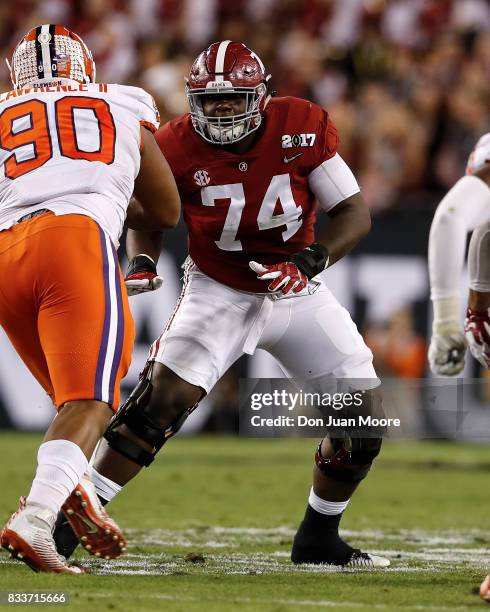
x,y
142,275
286,277
477,333
446,353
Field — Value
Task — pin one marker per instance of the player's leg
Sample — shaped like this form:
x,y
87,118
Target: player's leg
x,y
85,331
204,336
477,322
320,339
153,413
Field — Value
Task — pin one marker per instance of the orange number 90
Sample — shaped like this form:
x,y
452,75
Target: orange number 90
x,y
37,133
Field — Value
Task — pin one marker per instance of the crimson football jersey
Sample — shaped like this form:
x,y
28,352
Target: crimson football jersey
x,y
254,206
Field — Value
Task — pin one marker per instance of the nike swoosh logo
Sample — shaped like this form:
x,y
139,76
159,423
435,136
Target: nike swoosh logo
x,y
287,159
92,527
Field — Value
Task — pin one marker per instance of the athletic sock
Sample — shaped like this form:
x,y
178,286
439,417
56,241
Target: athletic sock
x,y
106,489
318,539
60,466
326,507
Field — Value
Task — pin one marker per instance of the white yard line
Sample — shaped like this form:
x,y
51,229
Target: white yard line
x,y
411,551
234,537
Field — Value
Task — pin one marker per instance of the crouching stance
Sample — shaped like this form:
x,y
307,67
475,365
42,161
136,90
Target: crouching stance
x,y
250,169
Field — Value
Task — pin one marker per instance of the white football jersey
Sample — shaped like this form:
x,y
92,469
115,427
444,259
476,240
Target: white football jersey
x,y
480,155
72,148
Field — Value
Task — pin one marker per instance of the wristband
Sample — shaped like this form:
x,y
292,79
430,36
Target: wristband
x,y
312,260
141,263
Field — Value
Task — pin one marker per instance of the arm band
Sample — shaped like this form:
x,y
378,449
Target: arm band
x,y
312,260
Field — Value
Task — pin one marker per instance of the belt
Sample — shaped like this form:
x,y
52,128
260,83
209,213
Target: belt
x,y
31,215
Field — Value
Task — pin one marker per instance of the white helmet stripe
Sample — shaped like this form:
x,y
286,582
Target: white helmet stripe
x,y
45,38
255,56
220,59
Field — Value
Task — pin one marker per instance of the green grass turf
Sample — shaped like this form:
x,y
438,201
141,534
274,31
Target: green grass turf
x,y
236,502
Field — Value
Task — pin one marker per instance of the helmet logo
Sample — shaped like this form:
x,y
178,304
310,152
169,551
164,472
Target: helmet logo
x,y
201,178
44,37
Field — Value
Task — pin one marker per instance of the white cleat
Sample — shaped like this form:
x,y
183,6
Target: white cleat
x,y
28,536
361,560
99,534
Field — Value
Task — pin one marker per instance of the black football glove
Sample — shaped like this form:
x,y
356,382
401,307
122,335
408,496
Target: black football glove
x,y
142,275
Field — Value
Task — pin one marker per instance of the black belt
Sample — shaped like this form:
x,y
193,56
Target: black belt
x,y
31,215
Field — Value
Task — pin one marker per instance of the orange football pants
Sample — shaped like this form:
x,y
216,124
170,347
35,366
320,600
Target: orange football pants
x,y
64,306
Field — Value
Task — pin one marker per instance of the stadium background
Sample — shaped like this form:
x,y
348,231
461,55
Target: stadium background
x,y
406,81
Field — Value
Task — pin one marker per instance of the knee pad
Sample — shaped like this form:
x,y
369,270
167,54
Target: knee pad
x,y
134,414
351,460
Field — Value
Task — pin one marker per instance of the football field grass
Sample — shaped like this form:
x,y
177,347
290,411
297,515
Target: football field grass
x,y
210,525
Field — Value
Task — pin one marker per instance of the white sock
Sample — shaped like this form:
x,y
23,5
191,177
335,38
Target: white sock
x,y
326,507
107,489
60,466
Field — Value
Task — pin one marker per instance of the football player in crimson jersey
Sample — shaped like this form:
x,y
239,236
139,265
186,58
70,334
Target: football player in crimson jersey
x,y
249,169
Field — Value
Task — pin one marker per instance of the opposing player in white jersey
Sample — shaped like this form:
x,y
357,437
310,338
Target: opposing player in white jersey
x,y
71,153
466,207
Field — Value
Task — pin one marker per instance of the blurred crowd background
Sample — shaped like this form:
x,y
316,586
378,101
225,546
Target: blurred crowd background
x,y
406,81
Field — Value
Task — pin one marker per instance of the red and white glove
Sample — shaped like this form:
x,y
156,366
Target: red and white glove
x,y
142,275
477,333
286,276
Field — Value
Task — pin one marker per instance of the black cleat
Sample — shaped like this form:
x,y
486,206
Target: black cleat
x,y
318,541
64,537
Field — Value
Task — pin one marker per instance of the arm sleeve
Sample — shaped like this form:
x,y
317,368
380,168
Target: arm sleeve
x,y
479,259
465,206
332,182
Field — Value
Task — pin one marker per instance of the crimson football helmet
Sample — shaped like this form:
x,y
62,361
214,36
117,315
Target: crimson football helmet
x,y
51,52
227,67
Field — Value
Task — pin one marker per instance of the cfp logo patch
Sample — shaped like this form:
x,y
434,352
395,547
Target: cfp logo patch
x,y
288,141
201,177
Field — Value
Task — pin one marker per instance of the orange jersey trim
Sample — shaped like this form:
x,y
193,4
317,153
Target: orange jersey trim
x,y
148,126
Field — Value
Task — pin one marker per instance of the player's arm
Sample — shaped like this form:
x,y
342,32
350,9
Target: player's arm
x,y
156,207
338,194
477,322
154,189
464,207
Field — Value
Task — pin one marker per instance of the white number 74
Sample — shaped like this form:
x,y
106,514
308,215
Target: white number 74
x,y
279,189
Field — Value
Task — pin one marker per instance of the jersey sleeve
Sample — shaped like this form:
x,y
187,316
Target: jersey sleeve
x,y
326,139
149,115
480,155
170,147
142,105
